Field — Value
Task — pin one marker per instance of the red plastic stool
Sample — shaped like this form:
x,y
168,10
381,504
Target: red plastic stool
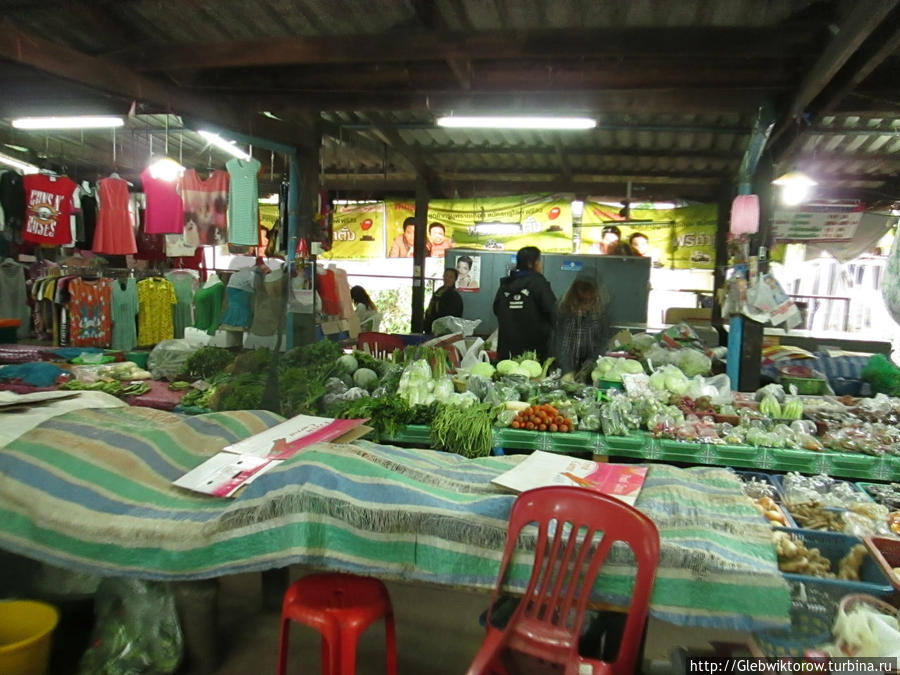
x,y
340,607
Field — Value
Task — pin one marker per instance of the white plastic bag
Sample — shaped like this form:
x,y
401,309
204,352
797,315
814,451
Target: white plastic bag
x,y
169,358
454,324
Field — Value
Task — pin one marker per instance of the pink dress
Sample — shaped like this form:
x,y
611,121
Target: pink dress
x,y
165,209
114,234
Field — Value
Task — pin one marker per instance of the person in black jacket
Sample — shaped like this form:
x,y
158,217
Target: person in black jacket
x,y
446,300
525,308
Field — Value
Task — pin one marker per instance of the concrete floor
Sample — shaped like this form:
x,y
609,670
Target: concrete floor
x,y
437,633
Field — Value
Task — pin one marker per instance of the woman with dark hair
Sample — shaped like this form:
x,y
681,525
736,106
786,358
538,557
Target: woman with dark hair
x,y
464,277
582,325
366,311
525,308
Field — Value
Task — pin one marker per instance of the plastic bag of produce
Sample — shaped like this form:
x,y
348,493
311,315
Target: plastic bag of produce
x,y
168,358
478,385
136,630
454,324
501,393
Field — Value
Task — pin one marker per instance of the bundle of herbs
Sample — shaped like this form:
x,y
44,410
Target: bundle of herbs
x,y
207,362
387,415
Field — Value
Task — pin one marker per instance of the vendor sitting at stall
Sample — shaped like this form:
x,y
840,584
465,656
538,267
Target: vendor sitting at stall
x,y
446,300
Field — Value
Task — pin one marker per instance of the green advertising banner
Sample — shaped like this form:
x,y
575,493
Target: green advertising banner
x,y
357,232
677,238
694,237
506,223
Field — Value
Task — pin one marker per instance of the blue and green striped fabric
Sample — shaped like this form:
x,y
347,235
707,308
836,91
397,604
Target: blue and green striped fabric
x,y
91,491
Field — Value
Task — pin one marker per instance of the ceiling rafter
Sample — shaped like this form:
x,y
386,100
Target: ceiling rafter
x,y
863,20
392,137
429,15
439,45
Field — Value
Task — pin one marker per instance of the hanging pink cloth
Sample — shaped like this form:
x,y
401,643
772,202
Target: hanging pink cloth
x,y
745,214
165,209
114,234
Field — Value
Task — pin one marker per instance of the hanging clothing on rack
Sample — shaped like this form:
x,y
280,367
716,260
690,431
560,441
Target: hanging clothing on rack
x,y
165,208
184,283
13,299
12,201
49,204
269,304
239,293
205,206
89,312
156,296
124,311
243,202
114,233
208,304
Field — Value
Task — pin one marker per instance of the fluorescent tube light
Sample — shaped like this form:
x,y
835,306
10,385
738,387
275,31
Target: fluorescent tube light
x,y
73,122
515,122
24,167
222,144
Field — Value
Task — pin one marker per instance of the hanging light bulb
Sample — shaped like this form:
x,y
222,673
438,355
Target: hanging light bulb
x,y
166,168
795,187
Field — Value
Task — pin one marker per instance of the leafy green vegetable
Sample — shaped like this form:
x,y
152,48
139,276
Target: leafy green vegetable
x,y
244,392
465,431
347,363
387,415
365,378
364,360
206,362
254,361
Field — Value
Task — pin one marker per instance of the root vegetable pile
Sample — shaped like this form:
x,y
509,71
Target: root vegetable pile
x,y
541,418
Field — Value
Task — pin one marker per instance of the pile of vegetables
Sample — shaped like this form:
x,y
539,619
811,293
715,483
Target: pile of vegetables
x,y
541,418
611,369
110,386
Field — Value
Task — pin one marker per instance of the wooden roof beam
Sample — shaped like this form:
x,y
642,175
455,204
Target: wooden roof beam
x,y
392,137
31,50
442,45
429,15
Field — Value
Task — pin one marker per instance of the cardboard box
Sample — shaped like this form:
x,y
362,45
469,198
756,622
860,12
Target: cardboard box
x,y
337,326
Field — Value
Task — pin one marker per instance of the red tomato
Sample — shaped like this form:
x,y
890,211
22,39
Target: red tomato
x,y
553,213
366,224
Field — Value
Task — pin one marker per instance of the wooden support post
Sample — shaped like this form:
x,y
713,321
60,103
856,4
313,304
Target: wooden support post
x,y
418,289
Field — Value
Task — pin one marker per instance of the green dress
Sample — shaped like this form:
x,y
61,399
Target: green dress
x,y
124,310
208,307
184,284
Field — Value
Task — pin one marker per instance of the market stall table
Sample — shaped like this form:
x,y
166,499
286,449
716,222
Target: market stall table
x,y
91,491
641,445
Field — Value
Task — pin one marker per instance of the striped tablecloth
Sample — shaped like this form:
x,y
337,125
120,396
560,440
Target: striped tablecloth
x,y
91,491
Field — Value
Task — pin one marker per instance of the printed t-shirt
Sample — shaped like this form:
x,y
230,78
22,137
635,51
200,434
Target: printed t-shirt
x,y
48,204
89,312
205,206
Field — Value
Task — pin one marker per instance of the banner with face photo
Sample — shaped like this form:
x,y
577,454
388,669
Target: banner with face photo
x,y
468,267
678,238
357,231
505,223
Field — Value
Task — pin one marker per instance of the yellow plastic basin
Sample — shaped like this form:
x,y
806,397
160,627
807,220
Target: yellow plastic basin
x,y
26,633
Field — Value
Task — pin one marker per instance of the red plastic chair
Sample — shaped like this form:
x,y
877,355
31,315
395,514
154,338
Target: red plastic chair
x,y
379,343
547,621
340,607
